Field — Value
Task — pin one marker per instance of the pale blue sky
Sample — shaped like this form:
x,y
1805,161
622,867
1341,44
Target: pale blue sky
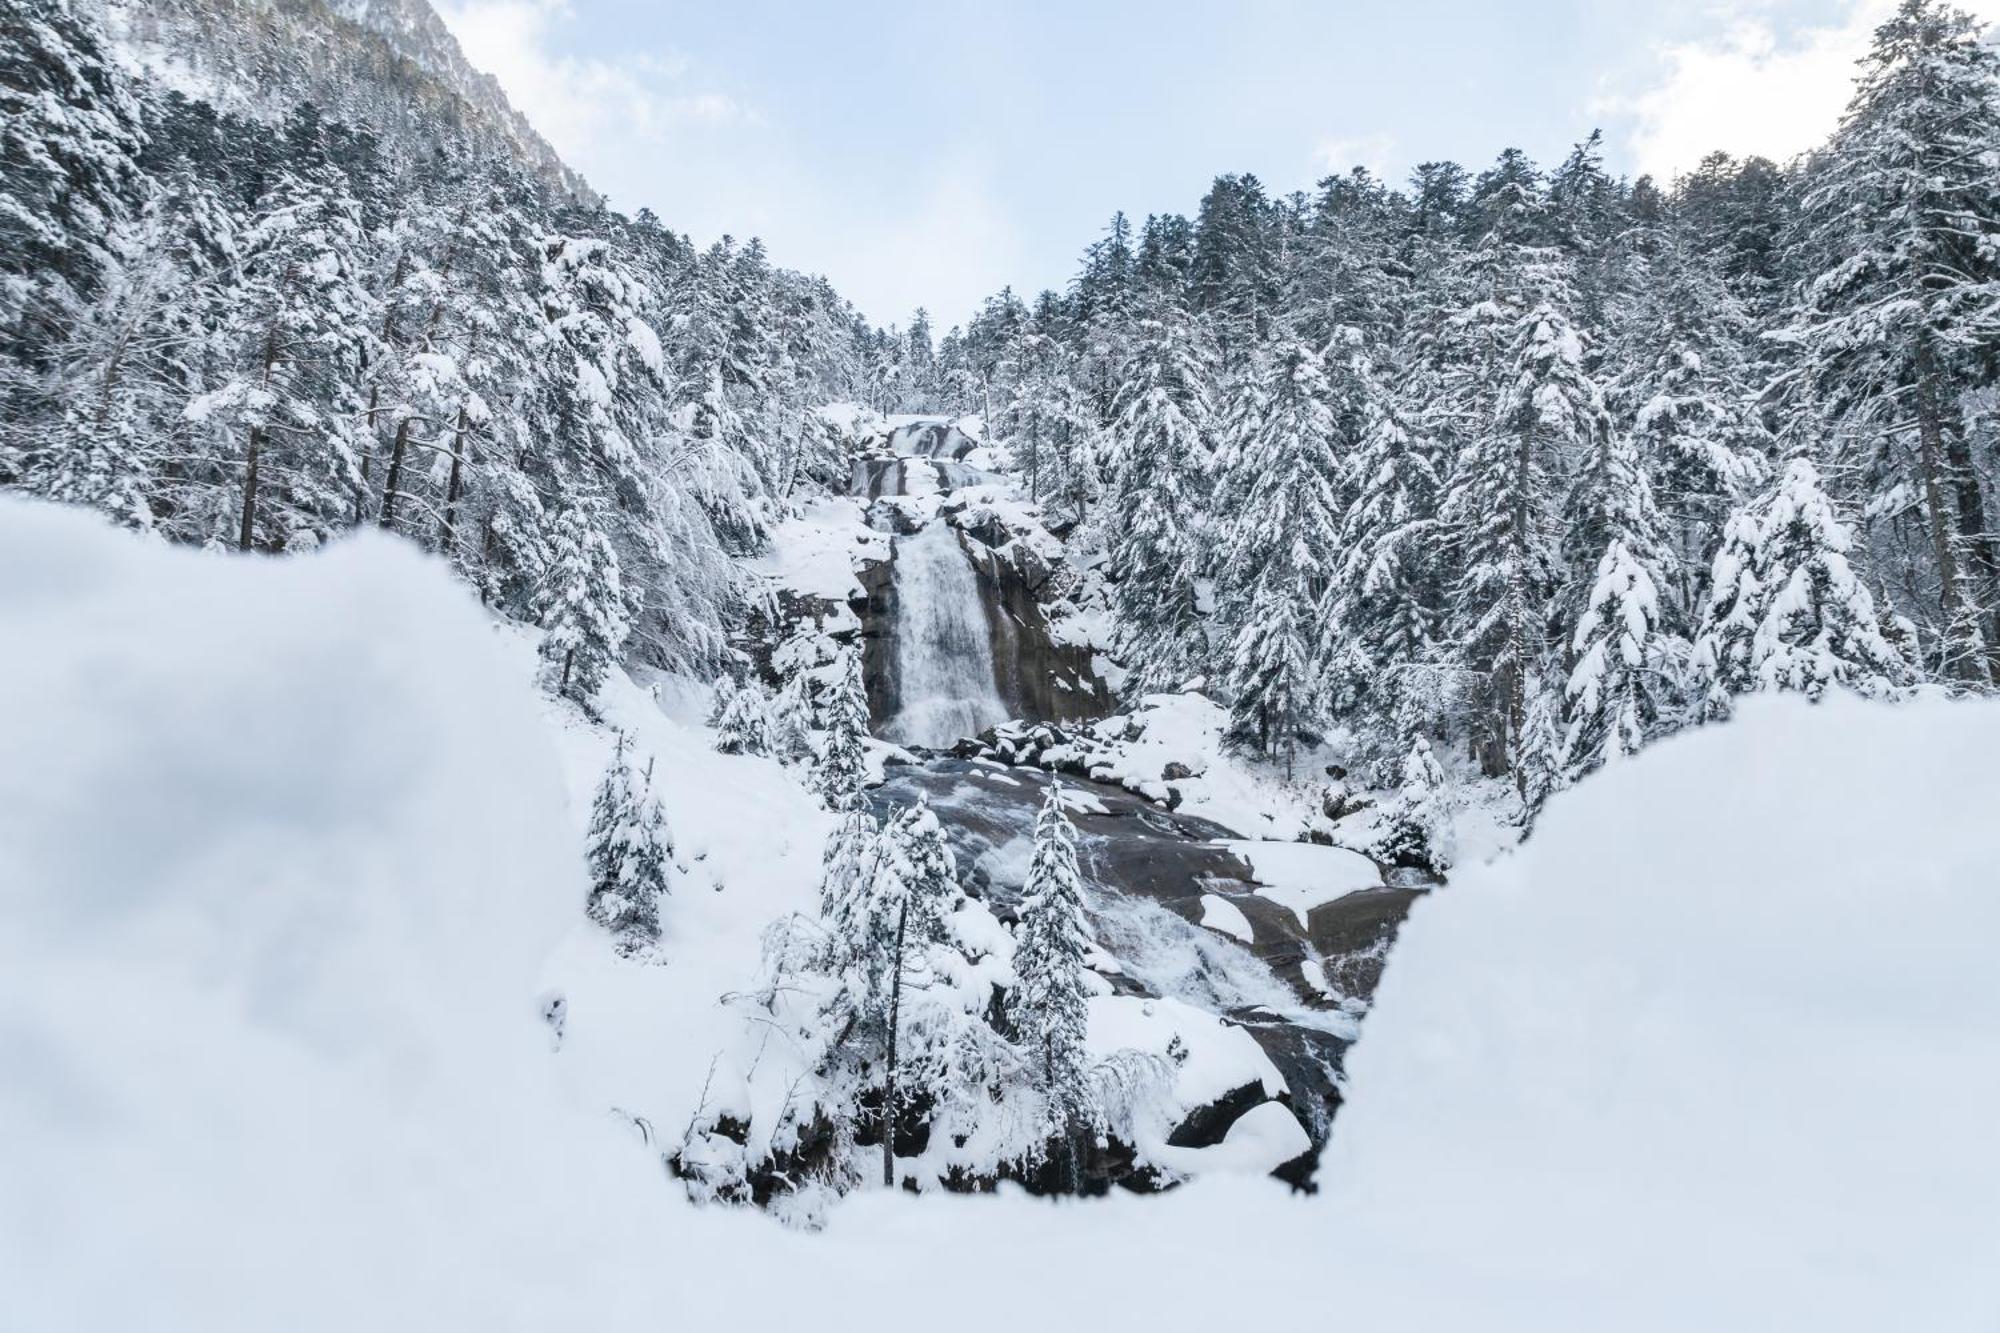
x,y
932,152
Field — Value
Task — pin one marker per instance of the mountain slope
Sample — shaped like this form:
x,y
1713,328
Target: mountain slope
x,y
389,65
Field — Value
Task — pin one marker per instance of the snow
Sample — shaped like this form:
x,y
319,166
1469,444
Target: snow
x,y
1218,913
1219,1059
1304,875
289,870
815,552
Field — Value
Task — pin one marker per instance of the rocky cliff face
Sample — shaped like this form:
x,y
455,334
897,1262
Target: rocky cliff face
x,y
389,66
1040,678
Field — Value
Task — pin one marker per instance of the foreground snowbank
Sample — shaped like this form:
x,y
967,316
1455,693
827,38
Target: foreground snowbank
x,y
287,862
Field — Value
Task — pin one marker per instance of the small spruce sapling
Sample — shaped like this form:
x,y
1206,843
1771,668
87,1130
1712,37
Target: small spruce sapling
x,y
1418,823
628,851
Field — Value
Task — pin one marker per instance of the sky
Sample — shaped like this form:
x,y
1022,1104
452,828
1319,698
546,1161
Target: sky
x,y
931,152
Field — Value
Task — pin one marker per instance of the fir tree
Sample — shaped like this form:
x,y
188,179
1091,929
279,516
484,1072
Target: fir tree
x,y
1900,240
911,896
745,725
1159,471
843,758
1499,509
1277,557
581,608
1382,604
1786,611
791,721
628,851
1621,691
1050,1000
1417,826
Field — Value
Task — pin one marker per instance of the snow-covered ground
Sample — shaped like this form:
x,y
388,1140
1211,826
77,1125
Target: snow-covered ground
x,y
290,873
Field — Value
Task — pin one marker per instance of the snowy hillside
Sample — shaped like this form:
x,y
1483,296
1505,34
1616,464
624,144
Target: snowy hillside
x,y
274,1025
1415,755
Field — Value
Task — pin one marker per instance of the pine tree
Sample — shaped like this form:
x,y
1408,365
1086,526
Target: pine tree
x,y
1417,826
1050,1000
745,725
628,851
1499,510
298,324
911,897
581,607
1900,242
791,721
69,134
1622,690
1786,611
1159,471
1277,557
842,771
1382,605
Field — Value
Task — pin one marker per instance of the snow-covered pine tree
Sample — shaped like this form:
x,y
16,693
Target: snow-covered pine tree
x,y
628,850
69,134
1684,387
1500,512
1900,251
745,725
1277,554
842,770
1159,470
1624,684
1622,691
299,320
790,718
718,704
910,900
1049,1004
1786,610
1382,604
1417,826
580,605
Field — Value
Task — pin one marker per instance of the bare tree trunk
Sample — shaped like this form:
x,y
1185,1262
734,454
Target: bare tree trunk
x,y
395,479
256,449
249,530
375,389
447,533
1982,551
1951,597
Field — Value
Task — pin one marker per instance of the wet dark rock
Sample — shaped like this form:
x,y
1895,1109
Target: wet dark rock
x,y
1176,771
1209,1125
1133,849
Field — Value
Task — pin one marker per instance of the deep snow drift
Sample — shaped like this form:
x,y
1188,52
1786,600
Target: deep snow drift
x,y
289,862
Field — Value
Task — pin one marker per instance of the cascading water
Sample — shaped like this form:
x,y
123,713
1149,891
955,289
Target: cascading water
x,y
943,648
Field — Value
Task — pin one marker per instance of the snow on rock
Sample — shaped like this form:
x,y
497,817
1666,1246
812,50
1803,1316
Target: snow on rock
x,y
1218,913
1304,875
1182,735
1213,1057
815,552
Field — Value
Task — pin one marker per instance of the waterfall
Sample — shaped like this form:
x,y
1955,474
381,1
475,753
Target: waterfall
x,y
943,649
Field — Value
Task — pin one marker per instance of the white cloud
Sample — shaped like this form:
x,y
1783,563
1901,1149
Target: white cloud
x,y
1751,88
588,109
1339,153
638,129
